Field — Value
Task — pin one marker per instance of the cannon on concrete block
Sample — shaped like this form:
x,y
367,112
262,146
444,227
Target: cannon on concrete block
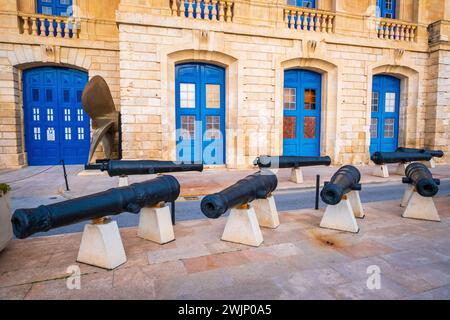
x,y
341,194
434,154
418,197
252,205
101,244
381,159
296,163
125,168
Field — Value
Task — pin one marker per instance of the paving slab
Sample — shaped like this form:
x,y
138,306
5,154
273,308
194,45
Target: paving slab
x,y
298,260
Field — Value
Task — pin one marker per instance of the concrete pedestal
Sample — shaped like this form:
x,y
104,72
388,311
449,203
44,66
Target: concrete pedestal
x,y
381,171
429,164
421,208
355,203
123,181
340,217
101,246
410,189
6,232
242,227
155,224
296,175
401,168
266,212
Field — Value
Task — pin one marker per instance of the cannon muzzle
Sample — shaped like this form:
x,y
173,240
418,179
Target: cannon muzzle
x,y
346,179
434,153
291,161
255,186
133,198
419,176
137,167
381,158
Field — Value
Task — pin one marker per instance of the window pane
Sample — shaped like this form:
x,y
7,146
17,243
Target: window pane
x,y
212,96
188,127
212,127
290,98
375,101
187,95
49,95
374,128
51,134
389,128
309,129
310,99
289,127
390,102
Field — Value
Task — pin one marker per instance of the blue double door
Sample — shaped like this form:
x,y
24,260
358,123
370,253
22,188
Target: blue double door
x,y
56,126
200,113
302,113
384,127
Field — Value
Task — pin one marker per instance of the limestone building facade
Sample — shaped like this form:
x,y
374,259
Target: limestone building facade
x,y
223,81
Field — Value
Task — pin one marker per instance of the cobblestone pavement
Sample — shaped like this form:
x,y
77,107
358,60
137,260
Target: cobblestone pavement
x,y
297,261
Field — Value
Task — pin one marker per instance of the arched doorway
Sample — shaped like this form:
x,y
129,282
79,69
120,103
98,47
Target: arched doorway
x,y
56,126
384,127
200,113
302,113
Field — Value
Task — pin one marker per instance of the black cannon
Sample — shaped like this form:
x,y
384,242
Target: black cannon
x,y
345,180
291,161
381,158
434,153
419,176
27,222
137,167
255,186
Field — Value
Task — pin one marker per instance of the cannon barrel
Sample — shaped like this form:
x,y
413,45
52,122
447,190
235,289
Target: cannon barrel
x,y
27,222
255,186
434,153
346,179
419,176
291,161
137,167
381,158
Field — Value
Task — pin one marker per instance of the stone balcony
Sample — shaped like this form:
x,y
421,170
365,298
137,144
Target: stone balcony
x,y
48,26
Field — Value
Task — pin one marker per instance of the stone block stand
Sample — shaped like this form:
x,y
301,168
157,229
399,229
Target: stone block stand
x,y
266,212
342,216
430,164
296,175
401,168
421,208
242,227
123,181
155,224
101,245
381,171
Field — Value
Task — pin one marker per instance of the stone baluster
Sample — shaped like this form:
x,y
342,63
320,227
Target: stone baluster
x,y
198,9
413,33
26,26
183,8
302,20
227,11
221,10
329,24
390,28
51,28
213,10
34,28
320,22
190,8
401,35
58,28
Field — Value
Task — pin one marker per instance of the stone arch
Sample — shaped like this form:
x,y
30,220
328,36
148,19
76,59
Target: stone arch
x,y
168,116
409,101
330,116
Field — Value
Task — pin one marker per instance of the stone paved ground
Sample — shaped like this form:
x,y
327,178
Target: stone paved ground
x,y
296,261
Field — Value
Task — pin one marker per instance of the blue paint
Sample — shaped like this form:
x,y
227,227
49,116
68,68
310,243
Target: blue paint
x,y
55,7
302,81
381,139
387,8
56,126
200,146
303,3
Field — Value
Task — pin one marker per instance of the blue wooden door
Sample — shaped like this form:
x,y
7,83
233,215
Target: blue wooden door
x,y
385,114
387,8
200,113
56,126
302,3
302,112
